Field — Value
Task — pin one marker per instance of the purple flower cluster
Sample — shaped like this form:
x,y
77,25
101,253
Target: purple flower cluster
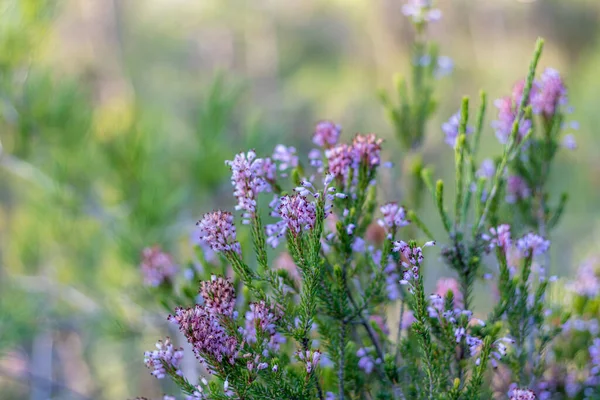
x,y
516,189
394,216
260,321
327,134
421,11
411,260
547,95
522,394
165,356
587,282
157,266
499,349
199,393
218,232
532,244
219,296
286,156
529,244
203,330
310,358
250,176
366,361
487,169
451,128
594,352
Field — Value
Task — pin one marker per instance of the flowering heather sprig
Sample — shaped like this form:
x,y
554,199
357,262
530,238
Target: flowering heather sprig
x,y
164,357
451,128
516,189
261,319
286,156
394,216
297,214
327,134
199,393
310,358
551,93
411,260
499,349
250,176
421,11
207,336
522,394
157,266
532,244
219,296
218,231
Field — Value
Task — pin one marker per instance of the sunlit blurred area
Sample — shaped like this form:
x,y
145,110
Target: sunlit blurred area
x,y
116,116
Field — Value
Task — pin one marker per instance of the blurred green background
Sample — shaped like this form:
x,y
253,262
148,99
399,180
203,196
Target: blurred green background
x,y
116,116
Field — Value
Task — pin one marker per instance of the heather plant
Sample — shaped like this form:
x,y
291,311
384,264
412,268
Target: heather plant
x,y
312,321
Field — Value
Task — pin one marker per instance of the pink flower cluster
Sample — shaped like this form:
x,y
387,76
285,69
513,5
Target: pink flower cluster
x,y
327,134
500,237
157,266
445,285
203,330
250,176
508,108
165,356
550,93
219,296
365,149
218,232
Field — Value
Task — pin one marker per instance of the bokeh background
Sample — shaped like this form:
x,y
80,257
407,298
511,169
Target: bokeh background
x,y
116,116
